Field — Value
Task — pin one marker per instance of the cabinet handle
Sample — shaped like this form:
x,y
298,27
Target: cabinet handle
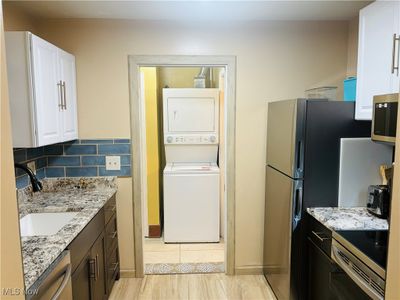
x,y
65,95
394,66
112,208
60,103
115,267
92,272
317,234
97,267
114,234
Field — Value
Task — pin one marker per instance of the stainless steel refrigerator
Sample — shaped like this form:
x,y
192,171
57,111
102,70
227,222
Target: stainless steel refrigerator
x,y
303,146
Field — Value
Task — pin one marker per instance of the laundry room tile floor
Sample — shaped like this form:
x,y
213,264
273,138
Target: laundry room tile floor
x,y
182,258
156,251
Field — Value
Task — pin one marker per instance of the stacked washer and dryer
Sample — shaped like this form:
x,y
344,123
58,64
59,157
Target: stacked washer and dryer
x,y
191,175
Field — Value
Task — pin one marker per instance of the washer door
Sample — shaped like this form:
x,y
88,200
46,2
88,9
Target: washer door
x,y
191,207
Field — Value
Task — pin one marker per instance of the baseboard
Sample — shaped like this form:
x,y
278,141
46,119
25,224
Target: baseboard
x,y
127,273
249,270
154,231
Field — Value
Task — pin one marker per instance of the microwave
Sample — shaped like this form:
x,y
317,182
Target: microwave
x,y
384,118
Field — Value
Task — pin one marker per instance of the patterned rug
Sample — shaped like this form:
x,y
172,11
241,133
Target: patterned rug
x,y
184,268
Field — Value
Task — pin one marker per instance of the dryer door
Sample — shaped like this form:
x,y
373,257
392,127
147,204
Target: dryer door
x,y
191,111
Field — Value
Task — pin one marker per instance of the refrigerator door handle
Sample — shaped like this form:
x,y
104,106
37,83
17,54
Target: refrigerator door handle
x,y
298,206
299,159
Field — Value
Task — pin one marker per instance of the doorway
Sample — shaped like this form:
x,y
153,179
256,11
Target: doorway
x,y
221,73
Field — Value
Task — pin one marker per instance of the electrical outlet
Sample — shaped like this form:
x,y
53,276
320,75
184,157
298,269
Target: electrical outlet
x,y
32,165
113,163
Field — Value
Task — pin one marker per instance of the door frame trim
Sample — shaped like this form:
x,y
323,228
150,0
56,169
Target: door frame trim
x,y
229,63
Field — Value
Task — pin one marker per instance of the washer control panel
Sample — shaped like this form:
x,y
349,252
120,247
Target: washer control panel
x,y
191,139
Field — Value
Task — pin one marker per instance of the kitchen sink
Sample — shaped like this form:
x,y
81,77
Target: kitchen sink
x,y
44,223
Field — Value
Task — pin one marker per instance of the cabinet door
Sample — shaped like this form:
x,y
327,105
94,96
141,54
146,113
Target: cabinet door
x,y
98,278
375,52
81,280
320,267
396,61
69,111
47,105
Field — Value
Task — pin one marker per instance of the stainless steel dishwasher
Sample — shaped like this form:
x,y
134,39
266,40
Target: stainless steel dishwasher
x,y
55,282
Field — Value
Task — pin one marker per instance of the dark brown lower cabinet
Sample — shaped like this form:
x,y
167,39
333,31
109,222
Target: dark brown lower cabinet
x,y
97,269
94,256
81,280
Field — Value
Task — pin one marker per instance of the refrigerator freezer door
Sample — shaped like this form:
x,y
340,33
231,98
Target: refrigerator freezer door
x,y
285,145
279,221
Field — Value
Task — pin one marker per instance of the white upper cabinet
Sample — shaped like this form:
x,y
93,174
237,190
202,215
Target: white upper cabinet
x,y
378,54
42,87
46,104
68,93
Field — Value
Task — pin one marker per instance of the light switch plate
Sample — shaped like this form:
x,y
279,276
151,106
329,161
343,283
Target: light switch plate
x,y
31,165
113,163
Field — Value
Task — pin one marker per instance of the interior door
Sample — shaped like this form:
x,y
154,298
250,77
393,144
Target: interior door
x,y
69,99
278,231
46,91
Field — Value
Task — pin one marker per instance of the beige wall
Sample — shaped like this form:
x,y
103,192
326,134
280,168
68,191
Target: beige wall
x,y
352,49
15,19
125,226
275,60
11,276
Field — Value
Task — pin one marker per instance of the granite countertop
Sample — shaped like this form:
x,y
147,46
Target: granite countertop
x,y
348,218
83,195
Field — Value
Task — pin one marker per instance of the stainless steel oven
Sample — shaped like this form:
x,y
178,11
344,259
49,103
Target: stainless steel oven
x,y
361,276
384,118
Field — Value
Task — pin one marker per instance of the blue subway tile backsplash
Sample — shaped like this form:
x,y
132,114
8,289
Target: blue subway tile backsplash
x,y
93,160
125,171
80,149
81,171
63,161
41,163
40,174
34,153
22,181
108,141
125,160
55,172
115,149
54,150
19,155
74,159
121,141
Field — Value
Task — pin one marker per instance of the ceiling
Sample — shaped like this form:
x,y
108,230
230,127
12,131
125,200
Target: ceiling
x,y
194,10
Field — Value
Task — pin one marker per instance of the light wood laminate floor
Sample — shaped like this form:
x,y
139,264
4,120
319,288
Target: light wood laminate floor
x,y
193,286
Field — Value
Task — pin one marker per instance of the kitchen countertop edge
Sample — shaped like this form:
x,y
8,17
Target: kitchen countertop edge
x,y
347,218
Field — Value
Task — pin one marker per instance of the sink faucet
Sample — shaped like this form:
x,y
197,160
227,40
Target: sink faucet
x,y
36,184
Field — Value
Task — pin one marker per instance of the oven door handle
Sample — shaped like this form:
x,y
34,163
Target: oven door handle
x,y
353,275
